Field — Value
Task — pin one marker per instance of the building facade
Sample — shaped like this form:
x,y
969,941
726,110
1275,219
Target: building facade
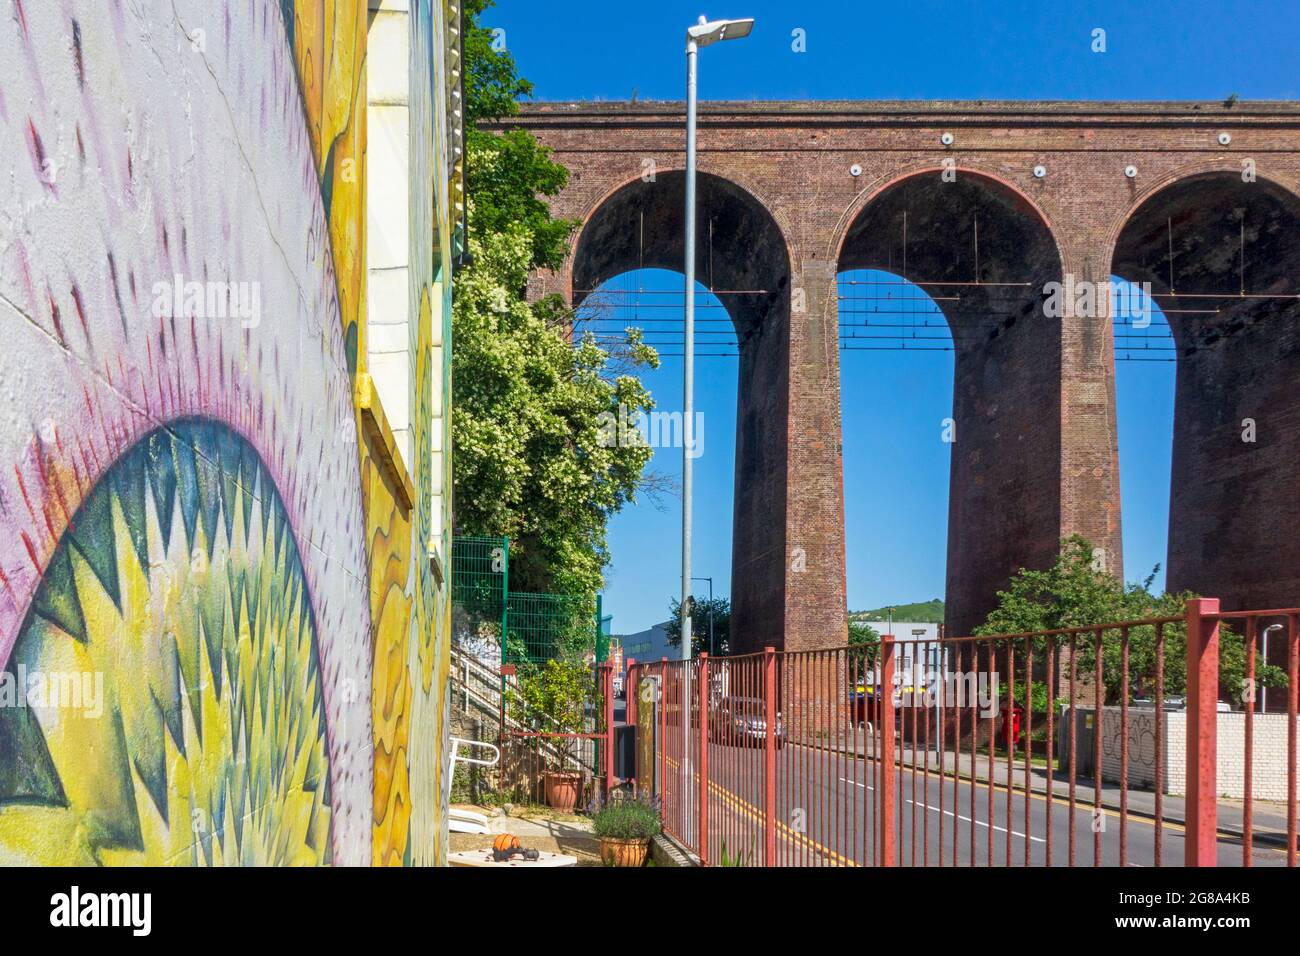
x,y
226,242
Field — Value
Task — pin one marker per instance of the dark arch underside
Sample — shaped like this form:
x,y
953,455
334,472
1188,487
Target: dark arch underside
x,y
984,255
1235,488
741,254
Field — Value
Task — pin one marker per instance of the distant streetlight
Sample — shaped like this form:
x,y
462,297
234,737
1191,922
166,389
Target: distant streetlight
x,y
1263,690
710,580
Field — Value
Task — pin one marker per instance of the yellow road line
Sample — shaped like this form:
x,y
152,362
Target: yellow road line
x,y
801,840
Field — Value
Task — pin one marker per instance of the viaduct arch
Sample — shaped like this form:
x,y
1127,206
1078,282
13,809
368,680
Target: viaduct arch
x,y
1073,190
1201,241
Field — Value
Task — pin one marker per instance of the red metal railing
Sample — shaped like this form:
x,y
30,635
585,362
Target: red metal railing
x,y
801,758
533,745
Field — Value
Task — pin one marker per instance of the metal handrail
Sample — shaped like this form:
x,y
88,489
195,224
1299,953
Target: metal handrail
x,y
491,703
454,757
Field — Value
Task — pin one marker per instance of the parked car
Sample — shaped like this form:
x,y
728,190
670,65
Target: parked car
x,y
862,705
742,721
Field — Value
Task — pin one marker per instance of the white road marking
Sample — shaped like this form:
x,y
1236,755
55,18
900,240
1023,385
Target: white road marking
x,y
949,813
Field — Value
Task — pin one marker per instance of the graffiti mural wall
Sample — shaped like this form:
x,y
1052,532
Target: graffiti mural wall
x,y
212,610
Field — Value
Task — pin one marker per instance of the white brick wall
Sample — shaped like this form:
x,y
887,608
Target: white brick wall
x,y
1270,742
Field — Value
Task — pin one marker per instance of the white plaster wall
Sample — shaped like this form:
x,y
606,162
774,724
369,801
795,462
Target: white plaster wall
x,y
388,212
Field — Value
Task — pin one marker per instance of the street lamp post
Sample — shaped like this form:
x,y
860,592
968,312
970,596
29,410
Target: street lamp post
x,y
710,580
701,34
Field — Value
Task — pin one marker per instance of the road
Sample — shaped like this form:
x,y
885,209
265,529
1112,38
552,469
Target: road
x,y
826,798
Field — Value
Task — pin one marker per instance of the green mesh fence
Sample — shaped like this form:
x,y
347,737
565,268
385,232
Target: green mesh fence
x,y
537,627
604,629
542,627
480,576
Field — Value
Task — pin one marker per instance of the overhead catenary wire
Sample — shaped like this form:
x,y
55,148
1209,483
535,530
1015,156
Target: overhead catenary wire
x,y
927,322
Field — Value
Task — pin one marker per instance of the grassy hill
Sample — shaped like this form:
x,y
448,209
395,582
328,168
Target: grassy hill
x,y
922,612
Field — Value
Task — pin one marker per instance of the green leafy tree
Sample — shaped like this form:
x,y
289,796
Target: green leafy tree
x,y
533,460
534,457
507,173
721,608
862,634
864,647
1073,592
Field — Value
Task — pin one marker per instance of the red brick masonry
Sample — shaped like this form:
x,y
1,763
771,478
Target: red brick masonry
x,y
1036,454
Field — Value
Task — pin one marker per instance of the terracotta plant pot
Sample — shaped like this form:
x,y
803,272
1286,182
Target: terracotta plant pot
x,y
562,789
624,852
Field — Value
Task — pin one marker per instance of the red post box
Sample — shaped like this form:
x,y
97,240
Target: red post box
x,y
1010,729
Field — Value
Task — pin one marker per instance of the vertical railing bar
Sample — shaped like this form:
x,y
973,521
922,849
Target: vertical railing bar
x,y
941,718
860,739
671,794
703,761
896,757
887,794
841,731
770,757
792,675
661,716
824,766
832,757
1248,777
859,792
1098,816
814,759
1123,747
925,786
1199,842
990,662
1074,745
877,813
808,751
1029,742
958,652
913,708
1051,745
1010,742
847,747
818,762
1161,777
736,680
1292,699
741,764
759,689
607,688
974,748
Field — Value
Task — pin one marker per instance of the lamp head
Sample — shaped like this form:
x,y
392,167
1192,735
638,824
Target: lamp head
x,y
714,31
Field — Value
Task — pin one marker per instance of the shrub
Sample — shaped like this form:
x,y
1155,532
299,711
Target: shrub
x,y
630,818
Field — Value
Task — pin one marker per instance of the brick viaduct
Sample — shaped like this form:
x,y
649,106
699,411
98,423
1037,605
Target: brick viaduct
x,y
798,192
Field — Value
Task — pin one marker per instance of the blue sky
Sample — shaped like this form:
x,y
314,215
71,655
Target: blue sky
x,y
896,469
